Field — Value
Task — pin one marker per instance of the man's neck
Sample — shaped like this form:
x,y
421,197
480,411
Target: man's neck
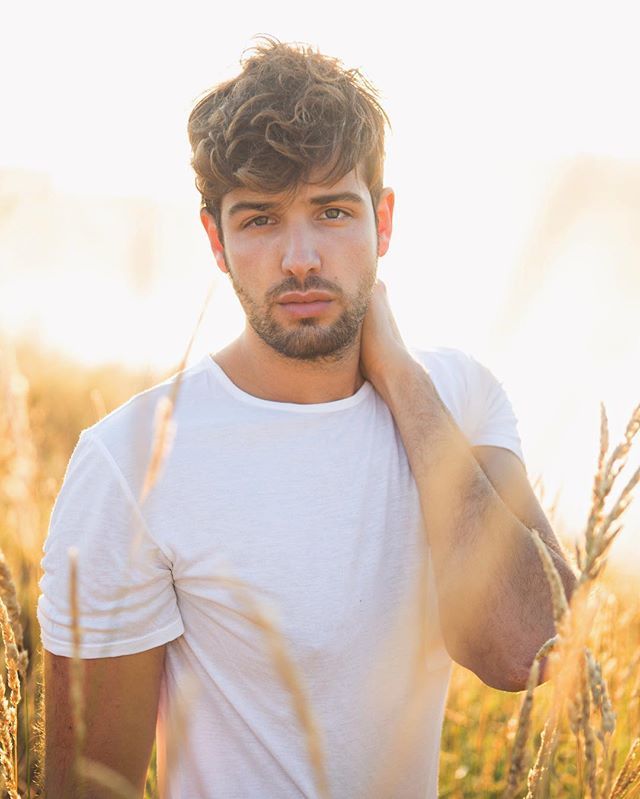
x,y
259,370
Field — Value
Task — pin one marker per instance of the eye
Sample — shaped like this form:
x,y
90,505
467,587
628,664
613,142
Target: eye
x,y
257,221
333,213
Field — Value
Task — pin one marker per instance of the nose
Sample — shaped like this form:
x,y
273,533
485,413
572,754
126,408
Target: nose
x,y
300,254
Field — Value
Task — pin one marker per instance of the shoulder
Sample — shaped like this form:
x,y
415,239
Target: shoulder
x,y
453,372
126,433
449,362
484,411
141,407
475,397
452,369
457,369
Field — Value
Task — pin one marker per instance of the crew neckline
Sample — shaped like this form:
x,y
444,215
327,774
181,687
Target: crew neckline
x,y
230,387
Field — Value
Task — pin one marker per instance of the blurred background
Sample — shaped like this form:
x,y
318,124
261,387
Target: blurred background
x,y
515,156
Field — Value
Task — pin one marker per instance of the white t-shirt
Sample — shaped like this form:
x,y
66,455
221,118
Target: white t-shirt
x,y
315,509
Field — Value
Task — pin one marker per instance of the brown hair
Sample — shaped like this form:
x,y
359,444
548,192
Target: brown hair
x,y
290,110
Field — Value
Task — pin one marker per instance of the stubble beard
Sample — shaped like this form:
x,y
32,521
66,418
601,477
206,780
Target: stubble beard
x,y
310,339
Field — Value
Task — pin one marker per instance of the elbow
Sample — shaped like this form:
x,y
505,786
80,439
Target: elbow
x,y
515,678
508,680
520,680
496,669
505,678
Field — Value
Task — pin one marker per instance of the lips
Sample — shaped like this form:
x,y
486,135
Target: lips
x,y
305,297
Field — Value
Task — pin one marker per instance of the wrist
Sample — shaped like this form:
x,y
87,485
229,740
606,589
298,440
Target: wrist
x,y
393,372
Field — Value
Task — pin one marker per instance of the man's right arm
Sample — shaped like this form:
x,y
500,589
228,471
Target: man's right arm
x,y
121,705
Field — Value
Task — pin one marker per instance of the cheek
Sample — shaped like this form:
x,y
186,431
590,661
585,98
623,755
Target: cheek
x,y
364,253
358,244
242,259
240,251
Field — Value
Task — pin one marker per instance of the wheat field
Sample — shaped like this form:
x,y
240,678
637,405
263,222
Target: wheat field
x,y
576,735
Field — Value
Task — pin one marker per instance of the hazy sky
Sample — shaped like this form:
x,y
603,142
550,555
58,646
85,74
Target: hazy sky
x,y
497,112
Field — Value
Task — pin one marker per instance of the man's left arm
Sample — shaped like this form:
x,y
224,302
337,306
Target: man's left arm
x,y
493,595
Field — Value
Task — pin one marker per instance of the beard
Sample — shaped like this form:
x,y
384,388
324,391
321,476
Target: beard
x,y
310,339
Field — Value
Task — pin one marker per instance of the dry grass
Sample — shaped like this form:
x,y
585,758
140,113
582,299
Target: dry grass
x,y
576,735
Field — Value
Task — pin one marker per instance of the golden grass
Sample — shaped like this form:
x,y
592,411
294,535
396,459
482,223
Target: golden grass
x,y
576,735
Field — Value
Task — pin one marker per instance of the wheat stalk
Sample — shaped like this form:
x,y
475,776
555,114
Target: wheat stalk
x,y
106,777
76,670
522,734
264,619
539,771
608,782
601,697
598,536
164,434
587,732
516,767
573,621
629,775
9,595
408,725
10,706
600,490
558,596
164,426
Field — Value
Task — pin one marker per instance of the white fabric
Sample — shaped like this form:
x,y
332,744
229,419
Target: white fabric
x,y
313,507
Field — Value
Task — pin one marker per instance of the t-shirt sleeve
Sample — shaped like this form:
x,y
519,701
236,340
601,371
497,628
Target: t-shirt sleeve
x,y
493,421
126,598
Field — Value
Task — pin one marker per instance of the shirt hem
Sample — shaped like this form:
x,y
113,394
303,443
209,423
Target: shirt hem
x,y
498,441
111,649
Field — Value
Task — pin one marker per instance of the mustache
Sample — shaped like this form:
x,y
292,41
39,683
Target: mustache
x,y
312,283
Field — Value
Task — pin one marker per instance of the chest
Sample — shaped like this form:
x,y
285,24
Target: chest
x,y
323,531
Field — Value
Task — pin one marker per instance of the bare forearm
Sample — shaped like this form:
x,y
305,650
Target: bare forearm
x,y
494,597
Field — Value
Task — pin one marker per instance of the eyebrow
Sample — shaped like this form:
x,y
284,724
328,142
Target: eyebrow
x,y
324,199
342,197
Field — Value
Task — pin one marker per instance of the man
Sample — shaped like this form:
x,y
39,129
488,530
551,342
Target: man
x,y
338,516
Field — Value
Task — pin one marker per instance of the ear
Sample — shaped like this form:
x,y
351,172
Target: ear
x,y
384,214
217,248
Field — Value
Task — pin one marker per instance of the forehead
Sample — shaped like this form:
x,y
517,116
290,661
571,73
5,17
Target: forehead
x,y
351,182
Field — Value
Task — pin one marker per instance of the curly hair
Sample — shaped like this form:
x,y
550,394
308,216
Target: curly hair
x,y
291,110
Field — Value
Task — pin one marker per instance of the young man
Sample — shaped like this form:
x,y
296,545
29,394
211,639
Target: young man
x,y
369,500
